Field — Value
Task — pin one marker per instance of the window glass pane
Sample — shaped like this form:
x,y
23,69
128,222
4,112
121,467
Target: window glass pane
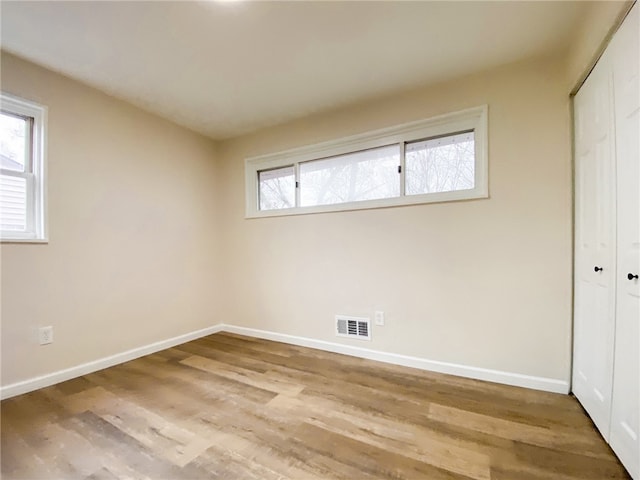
x,y
13,203
277,188
13,141
365,175
442,164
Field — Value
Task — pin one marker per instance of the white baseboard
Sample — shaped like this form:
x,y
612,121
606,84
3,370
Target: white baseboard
x,y
36,383
497,376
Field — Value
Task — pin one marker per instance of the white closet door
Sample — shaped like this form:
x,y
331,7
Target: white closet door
x,y
594,317
625,412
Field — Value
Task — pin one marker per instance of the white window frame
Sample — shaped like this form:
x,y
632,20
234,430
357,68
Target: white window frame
x,y
35,175
465,120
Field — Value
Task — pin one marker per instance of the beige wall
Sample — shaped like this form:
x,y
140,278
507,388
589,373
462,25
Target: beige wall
x,y
133,237
484,283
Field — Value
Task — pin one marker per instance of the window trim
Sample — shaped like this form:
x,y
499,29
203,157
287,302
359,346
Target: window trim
x,y
470,119
36,175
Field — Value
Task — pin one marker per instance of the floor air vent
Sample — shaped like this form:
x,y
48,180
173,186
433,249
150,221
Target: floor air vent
x,y
355,327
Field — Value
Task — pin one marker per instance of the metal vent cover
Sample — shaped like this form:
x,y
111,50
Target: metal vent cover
x,y
354,327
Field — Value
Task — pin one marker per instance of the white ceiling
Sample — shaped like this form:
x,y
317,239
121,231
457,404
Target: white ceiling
x,y
226,68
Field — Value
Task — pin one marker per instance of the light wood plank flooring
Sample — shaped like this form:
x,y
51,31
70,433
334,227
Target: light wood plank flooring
x,y
227,406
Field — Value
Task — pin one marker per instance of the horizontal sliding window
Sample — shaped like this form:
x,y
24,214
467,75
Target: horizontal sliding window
x,y
433,160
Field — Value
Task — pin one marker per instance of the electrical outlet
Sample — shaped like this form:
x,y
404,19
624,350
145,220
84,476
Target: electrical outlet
x,y
45,335
379,318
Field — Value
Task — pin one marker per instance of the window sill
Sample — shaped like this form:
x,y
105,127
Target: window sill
x,y
24,240
443,197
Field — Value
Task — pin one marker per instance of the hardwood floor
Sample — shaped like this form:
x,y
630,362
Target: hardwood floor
x,y
227,406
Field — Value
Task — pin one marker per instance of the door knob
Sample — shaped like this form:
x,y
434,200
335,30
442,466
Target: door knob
x,y
597,269
631,276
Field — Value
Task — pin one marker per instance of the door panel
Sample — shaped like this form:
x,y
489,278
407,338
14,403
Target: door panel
x,y
594,318
625,417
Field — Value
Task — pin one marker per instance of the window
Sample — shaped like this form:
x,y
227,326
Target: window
x,y
434,160
441,164
354,177
277,188
22,169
